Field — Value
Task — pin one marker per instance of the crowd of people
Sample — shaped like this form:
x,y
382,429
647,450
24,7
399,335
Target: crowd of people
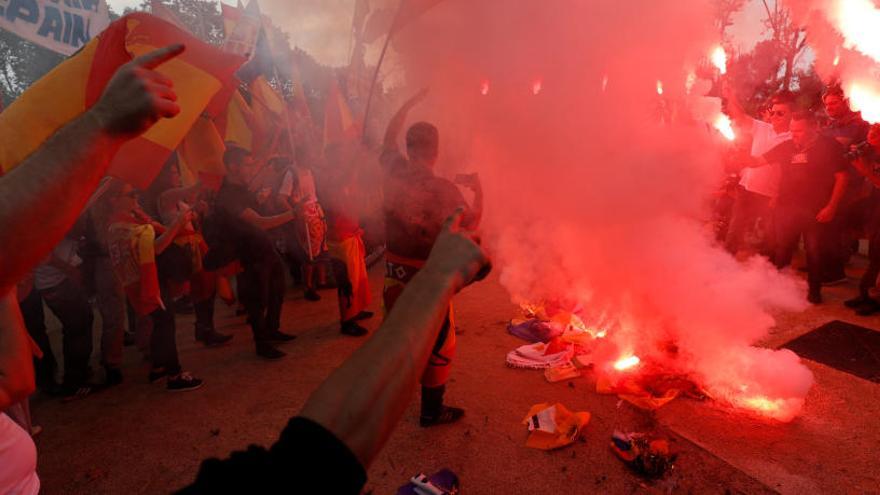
x,y
139,258
808,174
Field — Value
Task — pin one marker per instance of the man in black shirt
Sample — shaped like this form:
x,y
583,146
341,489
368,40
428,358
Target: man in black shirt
x,y
237,231
813,181
347,420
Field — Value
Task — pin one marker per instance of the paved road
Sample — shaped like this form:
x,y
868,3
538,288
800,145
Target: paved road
x,y
138,438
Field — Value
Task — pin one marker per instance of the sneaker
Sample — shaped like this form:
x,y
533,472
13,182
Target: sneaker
x,y
156,375
213,338
352,329
72,393
268,351
312,295
277,337
856,301
363,315
447,416
183,382
836,281
869,307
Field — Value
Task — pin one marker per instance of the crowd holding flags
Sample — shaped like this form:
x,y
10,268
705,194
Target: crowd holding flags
x,y
228,93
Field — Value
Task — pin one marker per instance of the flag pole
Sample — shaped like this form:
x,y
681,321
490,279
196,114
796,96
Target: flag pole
x,y
379,66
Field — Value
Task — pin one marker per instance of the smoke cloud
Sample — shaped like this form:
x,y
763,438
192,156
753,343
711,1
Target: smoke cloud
x,y
590,201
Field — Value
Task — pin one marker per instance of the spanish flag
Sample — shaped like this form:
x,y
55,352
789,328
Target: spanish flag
x,y
237,123
339,125
77,83
131,244
201,153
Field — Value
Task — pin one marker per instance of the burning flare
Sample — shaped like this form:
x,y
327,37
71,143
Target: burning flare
x,y
719,59
484,87
857,21
537,85
604,82
659,87
865,98
725,127
626,363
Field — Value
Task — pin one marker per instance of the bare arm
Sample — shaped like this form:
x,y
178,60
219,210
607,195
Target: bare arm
x,y
266,223
735,109
163,241
362,401
52,185
16,356
395,126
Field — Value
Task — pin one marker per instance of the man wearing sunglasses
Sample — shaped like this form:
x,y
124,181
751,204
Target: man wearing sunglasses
x,y
758,184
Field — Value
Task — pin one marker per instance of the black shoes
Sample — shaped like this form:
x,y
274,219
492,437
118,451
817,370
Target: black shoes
x,y
277,337
113,376
312,295
268,351
351,328
814,296
212,338
447,415
183,382
363,315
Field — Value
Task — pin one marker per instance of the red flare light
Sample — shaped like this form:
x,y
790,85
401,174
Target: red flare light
x,y
626,363
537,86
484,87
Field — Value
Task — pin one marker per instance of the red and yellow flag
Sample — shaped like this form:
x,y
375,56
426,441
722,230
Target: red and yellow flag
x,y
132,252
236,124
339,124
77,83
201,153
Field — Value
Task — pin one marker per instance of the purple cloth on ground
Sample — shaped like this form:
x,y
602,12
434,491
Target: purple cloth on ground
x,y
534,330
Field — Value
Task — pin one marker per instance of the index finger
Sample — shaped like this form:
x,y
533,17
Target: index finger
x,y
453,223
158,57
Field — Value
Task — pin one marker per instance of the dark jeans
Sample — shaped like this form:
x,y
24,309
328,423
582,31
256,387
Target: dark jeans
x,y
791,222
872,229
204,315
261,290
68,301
163,341
35,322
747,209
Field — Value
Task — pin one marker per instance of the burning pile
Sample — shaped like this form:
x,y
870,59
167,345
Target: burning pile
x,y
565,346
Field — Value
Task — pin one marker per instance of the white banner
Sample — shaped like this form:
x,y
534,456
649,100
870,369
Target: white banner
x,y
63,26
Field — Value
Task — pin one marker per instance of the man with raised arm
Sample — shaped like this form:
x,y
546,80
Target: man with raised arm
x,y
416,203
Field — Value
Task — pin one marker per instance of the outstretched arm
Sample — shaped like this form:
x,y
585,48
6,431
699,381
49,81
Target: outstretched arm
x,y
52,185
395,126
362,401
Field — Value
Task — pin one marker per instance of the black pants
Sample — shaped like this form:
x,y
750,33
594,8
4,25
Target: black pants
x,y
261,290
68,302
204,315
872,229
163,341
792,222
747,209
35,322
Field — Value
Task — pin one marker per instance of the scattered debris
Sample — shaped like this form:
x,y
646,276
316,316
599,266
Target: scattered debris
x,y
647,455
443,482
553,426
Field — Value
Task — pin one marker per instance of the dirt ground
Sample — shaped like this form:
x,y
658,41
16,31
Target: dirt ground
x,y
138,438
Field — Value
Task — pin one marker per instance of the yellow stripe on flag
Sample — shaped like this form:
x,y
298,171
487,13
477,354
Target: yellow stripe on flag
x,y
63,90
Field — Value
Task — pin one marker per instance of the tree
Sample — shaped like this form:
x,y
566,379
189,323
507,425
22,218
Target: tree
x,y
724,12
201,17
790,37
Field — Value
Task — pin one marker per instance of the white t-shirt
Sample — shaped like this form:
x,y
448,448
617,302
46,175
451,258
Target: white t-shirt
x,y
763,180
18,460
